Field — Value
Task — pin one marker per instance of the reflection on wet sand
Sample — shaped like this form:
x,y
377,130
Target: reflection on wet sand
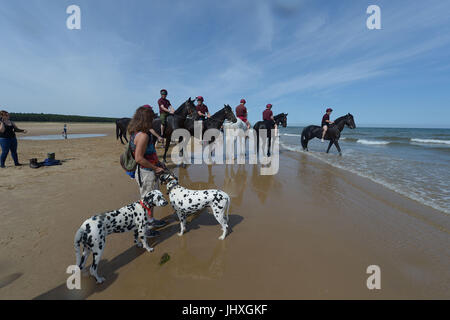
x,y
264,185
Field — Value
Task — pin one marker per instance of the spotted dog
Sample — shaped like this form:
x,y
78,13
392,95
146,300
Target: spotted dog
x,y
186,202
133,217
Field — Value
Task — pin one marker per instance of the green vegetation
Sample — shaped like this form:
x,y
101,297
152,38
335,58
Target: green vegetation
x,y
42,117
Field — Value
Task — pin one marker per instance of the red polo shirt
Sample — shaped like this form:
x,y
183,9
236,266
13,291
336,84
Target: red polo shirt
x,y
203,108
165,103
267,114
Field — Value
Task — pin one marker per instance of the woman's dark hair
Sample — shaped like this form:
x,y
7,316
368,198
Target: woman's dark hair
x,y
142,120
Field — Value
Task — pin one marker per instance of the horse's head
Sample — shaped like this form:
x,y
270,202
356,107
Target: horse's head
x,y
229,115
282,119
190,107
350,122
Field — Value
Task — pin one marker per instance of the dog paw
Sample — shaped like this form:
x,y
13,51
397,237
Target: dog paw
x,y
180,234
139,245
150,249
221,237
100,280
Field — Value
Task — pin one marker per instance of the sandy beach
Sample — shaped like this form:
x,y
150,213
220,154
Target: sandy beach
x,y
309,232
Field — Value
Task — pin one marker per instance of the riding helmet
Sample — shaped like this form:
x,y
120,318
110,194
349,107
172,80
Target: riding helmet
x,y
243,101
200,98
163,91
329,109
269,106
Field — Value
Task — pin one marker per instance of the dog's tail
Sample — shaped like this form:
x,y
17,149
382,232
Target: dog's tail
x,y
77,243
228,206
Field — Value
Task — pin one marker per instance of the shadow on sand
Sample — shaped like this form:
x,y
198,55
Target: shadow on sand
x,y
108,269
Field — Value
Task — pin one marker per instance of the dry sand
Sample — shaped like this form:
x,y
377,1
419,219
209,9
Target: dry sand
x,y
308,232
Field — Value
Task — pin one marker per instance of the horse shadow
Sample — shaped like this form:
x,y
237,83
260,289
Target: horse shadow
x,y
88,283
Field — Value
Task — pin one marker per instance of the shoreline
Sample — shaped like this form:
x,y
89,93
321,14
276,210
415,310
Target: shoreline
x,y
309,232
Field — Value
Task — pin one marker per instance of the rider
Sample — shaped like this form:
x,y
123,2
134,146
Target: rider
x,y
268,117
164,109
202,109
241,112
326,122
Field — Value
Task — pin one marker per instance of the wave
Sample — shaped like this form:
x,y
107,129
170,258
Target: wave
x,y
379,180
291,135
372,142
430,141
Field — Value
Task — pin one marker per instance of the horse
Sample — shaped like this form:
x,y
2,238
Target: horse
x,y
173,122
121,129
216,121
279,119
333,133
230,127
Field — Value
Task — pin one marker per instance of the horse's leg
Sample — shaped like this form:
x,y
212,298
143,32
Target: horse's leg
x,y
166,147
125,136
329,145
336,143
269,138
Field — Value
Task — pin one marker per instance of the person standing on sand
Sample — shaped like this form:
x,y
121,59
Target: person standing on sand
x,y
241,112
144,152
165,108
8,140
65,131
326,122
202,109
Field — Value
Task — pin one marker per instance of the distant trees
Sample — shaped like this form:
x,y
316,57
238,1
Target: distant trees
x,y
42,117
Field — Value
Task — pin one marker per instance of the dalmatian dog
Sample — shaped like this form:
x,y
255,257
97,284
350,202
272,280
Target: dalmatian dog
x,y
186,202
133,217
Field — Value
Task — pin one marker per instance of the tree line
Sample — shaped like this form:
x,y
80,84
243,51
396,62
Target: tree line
x,y
43,117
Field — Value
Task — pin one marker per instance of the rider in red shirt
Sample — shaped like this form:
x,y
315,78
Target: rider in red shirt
x,y
241,112
326,122
202,109
268,116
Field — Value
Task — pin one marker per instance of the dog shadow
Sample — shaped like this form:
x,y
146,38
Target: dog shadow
x,y
108,269
9,279
194,222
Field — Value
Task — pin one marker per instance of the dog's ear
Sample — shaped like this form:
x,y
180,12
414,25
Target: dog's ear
x,y
148,198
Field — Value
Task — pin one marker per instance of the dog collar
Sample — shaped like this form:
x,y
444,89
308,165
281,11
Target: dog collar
x,y
171,188
147,209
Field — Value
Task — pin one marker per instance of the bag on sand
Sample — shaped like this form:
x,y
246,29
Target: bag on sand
x,y
127,160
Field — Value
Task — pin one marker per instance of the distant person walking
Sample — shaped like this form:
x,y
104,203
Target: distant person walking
x,y
65,131
202,109
144,152
165,108
326,122
8,140
241,112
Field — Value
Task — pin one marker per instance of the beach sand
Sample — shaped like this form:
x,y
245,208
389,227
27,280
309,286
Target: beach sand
x,y
309,232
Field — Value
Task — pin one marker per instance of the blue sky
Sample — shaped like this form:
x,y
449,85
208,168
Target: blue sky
x,y
299,55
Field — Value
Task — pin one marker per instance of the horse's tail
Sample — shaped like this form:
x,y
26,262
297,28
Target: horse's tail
x,y
117,130
304,140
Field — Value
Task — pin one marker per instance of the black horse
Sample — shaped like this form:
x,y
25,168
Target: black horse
x,y
121,129
333,133
279,119
214,122
173,122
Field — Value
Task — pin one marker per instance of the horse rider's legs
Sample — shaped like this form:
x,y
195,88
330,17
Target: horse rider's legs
x,y
325,128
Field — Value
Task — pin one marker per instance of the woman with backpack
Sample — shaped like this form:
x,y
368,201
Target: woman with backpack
x,y
143,149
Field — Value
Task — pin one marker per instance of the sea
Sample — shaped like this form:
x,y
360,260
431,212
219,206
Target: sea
x,y
412,162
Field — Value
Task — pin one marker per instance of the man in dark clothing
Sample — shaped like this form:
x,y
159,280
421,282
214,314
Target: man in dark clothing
x,y
241,113
165,108
202,109
326,122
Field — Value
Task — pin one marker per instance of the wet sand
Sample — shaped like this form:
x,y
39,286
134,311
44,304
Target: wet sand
x,y
308,232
